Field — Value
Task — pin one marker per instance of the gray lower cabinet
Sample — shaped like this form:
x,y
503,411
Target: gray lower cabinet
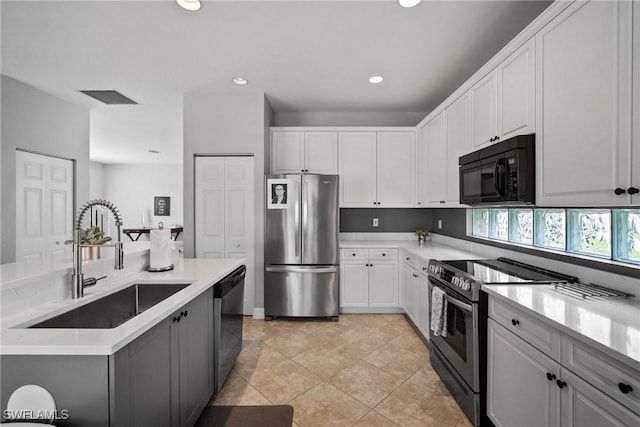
x,y
165,377
162,378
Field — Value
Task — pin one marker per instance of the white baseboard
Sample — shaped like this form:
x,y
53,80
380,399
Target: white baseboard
x,y
371,310
258,313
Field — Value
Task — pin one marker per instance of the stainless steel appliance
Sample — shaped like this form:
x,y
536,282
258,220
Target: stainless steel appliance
x,y
301,246
228,302
459,357
501,174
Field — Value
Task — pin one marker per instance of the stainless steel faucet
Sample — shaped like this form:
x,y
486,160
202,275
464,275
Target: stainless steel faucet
x,y
77,278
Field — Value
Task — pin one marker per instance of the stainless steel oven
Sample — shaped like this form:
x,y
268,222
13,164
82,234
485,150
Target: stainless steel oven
x,y
459,355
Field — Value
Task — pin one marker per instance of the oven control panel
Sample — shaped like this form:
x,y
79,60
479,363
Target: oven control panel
x,y
450,277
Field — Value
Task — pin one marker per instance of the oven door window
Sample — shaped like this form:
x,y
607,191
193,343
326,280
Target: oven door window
x,y
457,321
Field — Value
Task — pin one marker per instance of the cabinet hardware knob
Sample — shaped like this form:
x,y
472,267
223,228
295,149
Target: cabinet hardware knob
x,y
354,254
424,268
186,313
550,376
619,191
561,383
419,203
383,254
625,388
515,322
408,258
633,190
370,265
491,139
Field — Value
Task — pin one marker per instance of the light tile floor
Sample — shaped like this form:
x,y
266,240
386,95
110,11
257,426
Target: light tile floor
x,y
367,370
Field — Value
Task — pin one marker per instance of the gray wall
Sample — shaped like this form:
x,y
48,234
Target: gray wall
x,y
389,220
35,121
293,118
227,123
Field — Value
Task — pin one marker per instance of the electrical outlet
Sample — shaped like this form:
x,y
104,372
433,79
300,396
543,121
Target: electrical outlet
x,y
375,222
439,224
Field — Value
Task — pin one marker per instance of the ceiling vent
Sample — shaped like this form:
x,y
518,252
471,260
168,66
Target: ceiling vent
x,y
111,97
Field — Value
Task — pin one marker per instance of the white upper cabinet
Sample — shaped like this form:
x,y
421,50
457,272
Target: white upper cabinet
x,y
583,109
396,180
503,102
377,169
516,93
357,169
298,152
484,101
435,153
457,144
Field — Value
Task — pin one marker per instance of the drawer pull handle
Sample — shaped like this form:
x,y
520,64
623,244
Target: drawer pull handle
x,y
515,322
625,388
550,376
561,383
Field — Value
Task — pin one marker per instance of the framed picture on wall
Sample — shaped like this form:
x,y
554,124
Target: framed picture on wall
x,y
162,206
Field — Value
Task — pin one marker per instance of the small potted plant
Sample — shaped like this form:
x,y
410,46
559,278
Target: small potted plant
x,y
91,239
422,236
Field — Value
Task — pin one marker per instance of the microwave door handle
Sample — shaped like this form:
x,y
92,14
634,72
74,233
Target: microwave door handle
x,y
499,178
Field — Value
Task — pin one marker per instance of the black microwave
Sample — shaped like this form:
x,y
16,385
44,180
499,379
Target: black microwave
x,y
501,174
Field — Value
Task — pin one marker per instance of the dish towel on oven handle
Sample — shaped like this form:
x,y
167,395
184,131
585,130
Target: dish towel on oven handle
x,y
438,312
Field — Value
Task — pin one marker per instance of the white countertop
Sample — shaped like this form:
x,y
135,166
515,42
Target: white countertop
x,y
611,325
430,250
16,340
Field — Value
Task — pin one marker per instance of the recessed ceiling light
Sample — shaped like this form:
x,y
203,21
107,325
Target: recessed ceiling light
x,y
409,3
191,5
376,79
240,80
154,151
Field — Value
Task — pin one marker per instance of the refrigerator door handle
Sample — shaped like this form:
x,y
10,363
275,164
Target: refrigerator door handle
x,y
290,269
305,217
296,220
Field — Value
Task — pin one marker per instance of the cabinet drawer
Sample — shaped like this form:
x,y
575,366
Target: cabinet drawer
x,y
606,373
347,254
537,333
423,266
383,254
410,259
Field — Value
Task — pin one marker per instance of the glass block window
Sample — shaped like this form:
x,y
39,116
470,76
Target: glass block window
x,y
481,222
551,229
627,235
499,224
521,229
603,233
589,231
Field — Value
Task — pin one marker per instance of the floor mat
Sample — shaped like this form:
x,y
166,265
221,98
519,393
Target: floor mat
x,y
246,416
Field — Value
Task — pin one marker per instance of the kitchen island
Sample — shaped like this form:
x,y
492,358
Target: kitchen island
x,y
154,369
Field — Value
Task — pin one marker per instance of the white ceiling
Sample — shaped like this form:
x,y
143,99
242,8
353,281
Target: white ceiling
x,y
307,56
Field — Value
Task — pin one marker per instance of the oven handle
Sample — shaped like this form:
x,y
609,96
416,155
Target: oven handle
x,y
458,303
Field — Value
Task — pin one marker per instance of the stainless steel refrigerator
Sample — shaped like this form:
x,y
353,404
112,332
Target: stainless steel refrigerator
x,y
301,246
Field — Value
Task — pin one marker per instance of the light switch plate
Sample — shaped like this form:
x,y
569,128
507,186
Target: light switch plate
x,y
375,222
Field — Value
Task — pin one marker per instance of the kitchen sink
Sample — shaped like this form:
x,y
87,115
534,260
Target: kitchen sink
x,y
114,309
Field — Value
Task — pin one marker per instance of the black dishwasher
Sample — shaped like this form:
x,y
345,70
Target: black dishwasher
x,y
228,304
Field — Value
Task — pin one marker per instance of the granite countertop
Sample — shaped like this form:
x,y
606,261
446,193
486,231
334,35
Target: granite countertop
x,y
16,339
611,325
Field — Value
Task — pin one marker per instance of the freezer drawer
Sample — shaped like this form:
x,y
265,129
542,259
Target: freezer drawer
x,y
301,291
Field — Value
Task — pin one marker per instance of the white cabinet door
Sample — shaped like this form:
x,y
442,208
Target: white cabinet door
x,y
354,284
583,115
516,93
357,169
321,152
484,97
396,169
423,166
635,149
383,284
287,152
457,137
423,304
585,406
521,382
436,153
224,213
410,291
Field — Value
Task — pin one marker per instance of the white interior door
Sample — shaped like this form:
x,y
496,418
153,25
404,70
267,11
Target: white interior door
x,y
224,213
44,207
